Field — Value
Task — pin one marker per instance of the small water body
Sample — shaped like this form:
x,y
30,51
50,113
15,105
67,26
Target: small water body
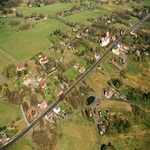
x,y
90,100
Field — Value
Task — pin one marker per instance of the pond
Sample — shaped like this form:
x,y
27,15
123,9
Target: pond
x,y
90,100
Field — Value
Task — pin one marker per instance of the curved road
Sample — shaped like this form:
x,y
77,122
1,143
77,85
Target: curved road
x,y
72,87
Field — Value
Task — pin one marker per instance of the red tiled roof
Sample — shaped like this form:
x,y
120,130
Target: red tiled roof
x,y
106,38
33,112
20,67
44,60
43,56
42,84
43,105
107,92
3,139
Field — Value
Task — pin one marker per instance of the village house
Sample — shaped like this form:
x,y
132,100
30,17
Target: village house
x,y
42,84
69,35
102,129
105,40
96,55
39,78
74,29
32,113
115,49
62,43
123,57
134,34
82,69
108,93
78,36
75,67
20,67
84,113
34,72
137,52
114,37
43,59
59,91
13,9
30,4
57,109
42,105
29,81
4,138
49,115
100,67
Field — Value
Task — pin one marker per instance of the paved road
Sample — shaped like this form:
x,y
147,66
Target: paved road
x,y
71,88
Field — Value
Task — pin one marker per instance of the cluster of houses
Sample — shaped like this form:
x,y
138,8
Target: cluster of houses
x,y
108,93
99,118
121,51
33,76
56,112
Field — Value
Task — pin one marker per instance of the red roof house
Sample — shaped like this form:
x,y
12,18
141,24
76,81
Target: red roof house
x,y
3,139
43,59
20,67
108,93
42,84
43,105
32,113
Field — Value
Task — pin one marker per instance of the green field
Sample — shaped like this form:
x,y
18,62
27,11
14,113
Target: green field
x,y
5,61
8,113
24,44
78,134
23,144
46,10
82,16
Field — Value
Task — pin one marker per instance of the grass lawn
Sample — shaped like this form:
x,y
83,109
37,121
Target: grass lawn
x,y
46,10
72,73
82,16
23,144
78,134
24,44
8,113
5,61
